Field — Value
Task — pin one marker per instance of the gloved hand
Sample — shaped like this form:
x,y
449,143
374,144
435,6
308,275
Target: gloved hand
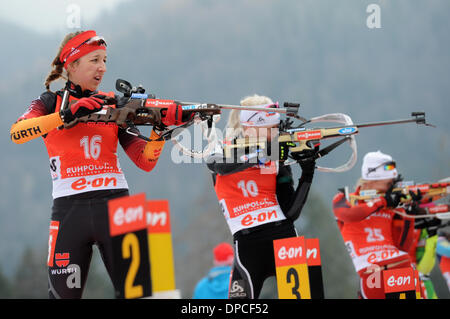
x,y
433,226
306,158
173,115
84,106
416,197
393,198
414,209
307,161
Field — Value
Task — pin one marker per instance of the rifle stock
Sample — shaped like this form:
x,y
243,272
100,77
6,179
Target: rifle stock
x,y
142,111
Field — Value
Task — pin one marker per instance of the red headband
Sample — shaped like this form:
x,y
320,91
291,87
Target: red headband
x,y
79,46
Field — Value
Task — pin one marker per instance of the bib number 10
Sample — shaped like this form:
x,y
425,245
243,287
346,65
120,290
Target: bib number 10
x,y
91,147
248,188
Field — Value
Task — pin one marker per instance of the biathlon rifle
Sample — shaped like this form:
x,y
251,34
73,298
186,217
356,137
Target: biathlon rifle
x,y
298,138
137,108
440,211
427,192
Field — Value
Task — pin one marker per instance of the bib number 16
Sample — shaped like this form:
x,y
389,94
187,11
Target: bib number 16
x,y
91,147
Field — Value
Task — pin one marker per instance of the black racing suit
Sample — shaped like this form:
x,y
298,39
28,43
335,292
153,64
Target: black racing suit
x,y
83,222
254,255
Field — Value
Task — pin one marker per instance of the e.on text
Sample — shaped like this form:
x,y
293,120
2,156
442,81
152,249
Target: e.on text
x,y
82,183
128,216
399,281
290,253
248,220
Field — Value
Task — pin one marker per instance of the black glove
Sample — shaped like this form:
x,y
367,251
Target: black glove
x,y
414,209
416,197
307,161
393,198
431,224
85,106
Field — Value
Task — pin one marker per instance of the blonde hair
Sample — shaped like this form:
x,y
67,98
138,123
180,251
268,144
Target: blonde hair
x,y
58,70
234,127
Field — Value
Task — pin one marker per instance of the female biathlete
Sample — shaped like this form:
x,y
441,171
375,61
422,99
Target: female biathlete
x,y
257,198
84,165
366,226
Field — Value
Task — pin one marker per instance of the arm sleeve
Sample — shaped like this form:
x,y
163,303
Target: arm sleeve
x,y
38,120
144,154
428,260
344,212
298,200
285,188
218,164
228,168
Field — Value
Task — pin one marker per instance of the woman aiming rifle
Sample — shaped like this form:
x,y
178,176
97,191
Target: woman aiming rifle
x,y
366,226
257,198
83,159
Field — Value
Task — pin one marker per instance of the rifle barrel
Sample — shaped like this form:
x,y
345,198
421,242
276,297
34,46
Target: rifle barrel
x,y
240,107
375,124
249,108
385,123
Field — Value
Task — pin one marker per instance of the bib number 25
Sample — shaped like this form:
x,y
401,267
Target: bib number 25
x,y
373,234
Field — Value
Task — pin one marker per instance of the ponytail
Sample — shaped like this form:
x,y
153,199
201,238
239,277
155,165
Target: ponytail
x,y
58,66
234,128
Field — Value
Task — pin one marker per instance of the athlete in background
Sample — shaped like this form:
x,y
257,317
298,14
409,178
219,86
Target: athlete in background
x,y
366,227
84,165
257,197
